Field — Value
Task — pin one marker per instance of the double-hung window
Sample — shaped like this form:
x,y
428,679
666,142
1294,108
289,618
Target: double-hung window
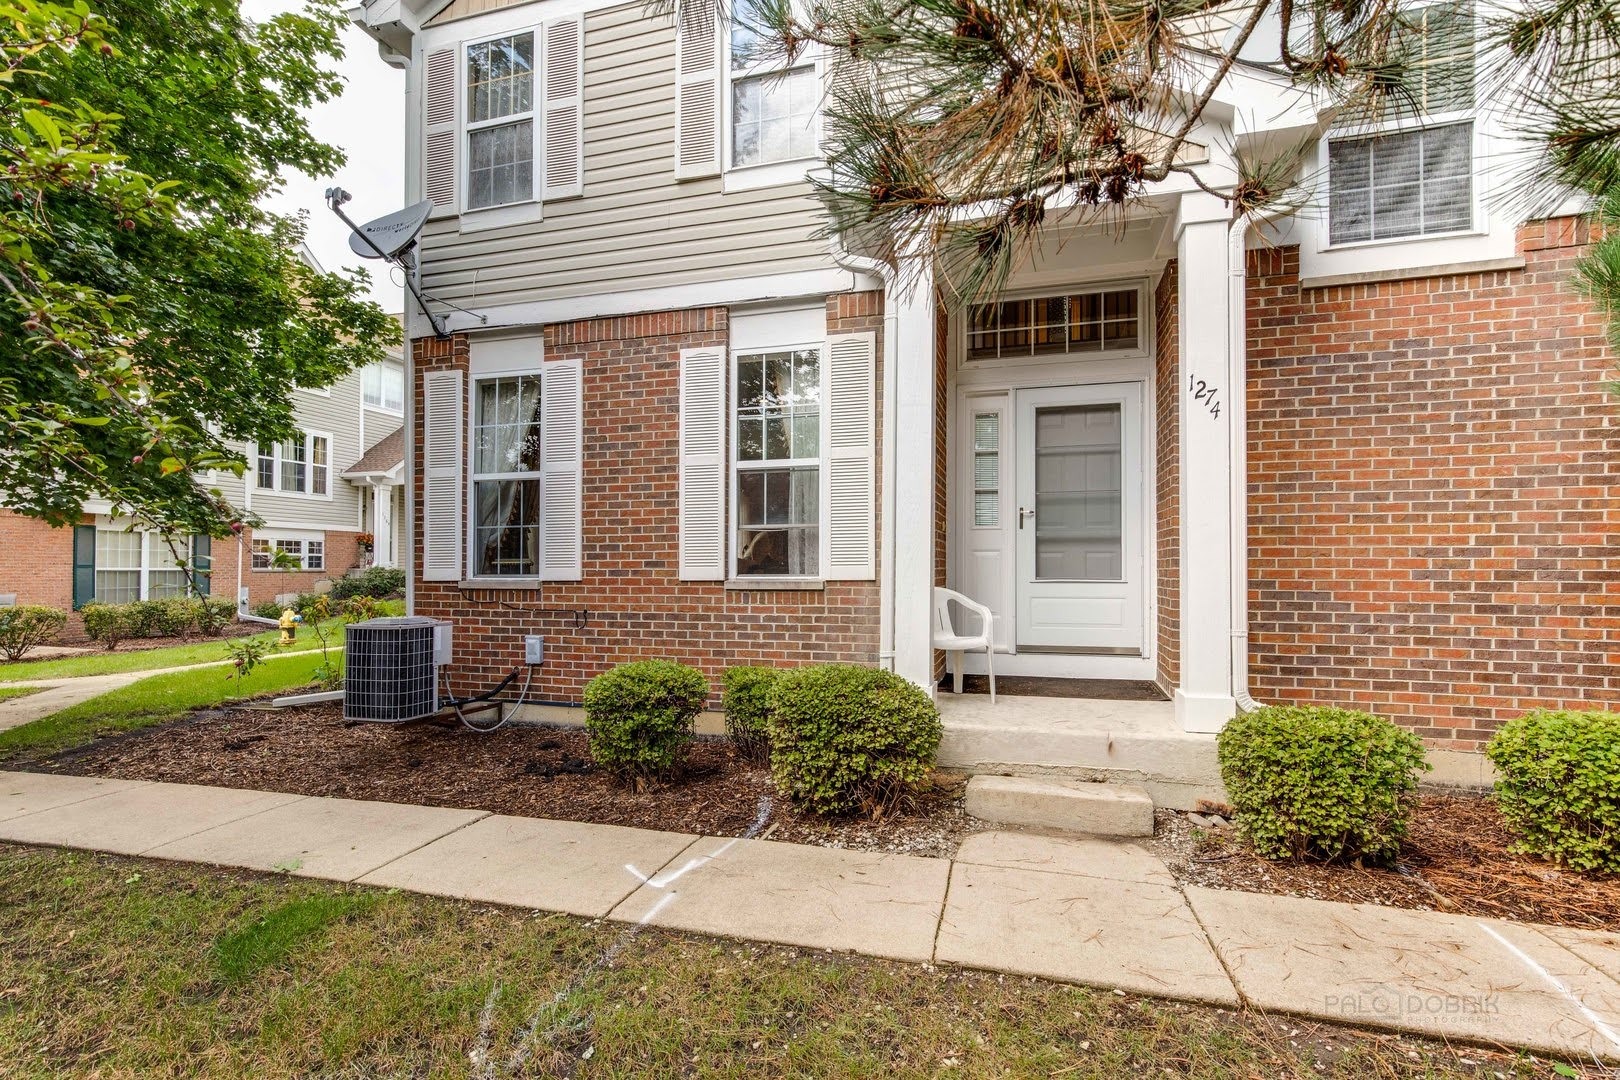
x,y
307,551
300,466
382,386
133,565
500,121
1414,177
778,463
773,104
506,476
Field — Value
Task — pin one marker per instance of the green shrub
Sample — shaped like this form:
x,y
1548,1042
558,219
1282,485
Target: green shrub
x,y
747,704
638,717
24,626
177,616
215,615
845,737
143,617
269,609
1317,782
377,582
106,624
1558,786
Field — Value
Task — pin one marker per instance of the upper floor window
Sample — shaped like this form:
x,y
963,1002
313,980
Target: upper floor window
x,y
299,466
506,476
500,121
1400,180
1073,322
773,105
382,386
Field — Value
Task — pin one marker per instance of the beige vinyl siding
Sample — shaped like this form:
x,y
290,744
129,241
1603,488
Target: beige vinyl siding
x,y
635,227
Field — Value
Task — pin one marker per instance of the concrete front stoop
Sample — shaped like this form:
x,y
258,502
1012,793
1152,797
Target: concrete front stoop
x,y
1134,743
1075,806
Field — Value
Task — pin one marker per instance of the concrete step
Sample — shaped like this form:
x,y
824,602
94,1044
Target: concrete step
x,y
1076,806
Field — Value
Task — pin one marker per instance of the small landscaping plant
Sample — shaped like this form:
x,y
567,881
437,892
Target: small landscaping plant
x,y
24,627
845,737
213,616
316,609
1558,786
246,654
105,624
638,717
747,705
1313,782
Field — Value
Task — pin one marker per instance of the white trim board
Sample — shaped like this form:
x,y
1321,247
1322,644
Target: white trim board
x,y
802,283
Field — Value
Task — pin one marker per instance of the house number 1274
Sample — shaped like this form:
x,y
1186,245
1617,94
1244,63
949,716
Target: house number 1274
x,y
1202,391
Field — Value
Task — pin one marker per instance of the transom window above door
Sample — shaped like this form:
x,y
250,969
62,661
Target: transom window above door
x,y
1074,322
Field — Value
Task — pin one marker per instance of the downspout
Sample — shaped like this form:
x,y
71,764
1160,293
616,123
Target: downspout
x,y
886,505
1238,427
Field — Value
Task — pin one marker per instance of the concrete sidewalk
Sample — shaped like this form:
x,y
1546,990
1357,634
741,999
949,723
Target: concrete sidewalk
x,y
1085,911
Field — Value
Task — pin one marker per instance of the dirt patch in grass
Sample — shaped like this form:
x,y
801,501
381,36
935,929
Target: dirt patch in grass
x,y
526,771
1456,859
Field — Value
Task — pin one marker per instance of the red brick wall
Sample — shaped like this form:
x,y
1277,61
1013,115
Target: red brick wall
x,y
36,561
636,607
1432,473
942,331
342,555
1167,482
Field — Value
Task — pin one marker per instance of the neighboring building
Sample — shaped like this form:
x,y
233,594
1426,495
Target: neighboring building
x,y
316,497
1364,459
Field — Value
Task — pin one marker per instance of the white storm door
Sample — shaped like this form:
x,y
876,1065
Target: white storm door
x,y
1079,532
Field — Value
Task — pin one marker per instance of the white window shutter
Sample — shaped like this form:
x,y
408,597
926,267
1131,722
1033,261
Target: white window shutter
x,y
703,465
848,488
697,89
564,110
442,505
440,137
562,422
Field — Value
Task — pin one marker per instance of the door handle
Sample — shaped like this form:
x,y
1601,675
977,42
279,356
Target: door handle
x,y
1022,514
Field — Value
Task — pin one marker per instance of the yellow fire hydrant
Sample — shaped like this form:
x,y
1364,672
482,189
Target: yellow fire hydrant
x,y
289,626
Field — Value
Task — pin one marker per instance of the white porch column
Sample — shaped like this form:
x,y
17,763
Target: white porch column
x,y
913,479
382,525
1204,700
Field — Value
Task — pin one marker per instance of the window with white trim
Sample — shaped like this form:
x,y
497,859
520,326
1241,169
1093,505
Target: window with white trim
x,y
773,104
1075,322
133,565
777,476
299,466
382,386
500,121
1401,180
987,469
506,476
308,551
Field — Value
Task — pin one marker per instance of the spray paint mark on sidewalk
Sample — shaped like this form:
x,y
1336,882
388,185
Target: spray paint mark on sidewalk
x,y
552,1022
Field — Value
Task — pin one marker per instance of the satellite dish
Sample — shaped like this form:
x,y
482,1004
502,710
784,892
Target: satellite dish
x,y
387,236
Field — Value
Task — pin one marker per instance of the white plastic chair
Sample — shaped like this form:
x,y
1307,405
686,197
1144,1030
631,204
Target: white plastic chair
x,y
946,637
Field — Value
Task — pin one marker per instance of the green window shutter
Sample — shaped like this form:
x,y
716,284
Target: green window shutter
x,y
202,562
84,565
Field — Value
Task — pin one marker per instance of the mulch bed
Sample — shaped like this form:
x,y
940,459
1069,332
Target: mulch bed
x,y
521,770
1456,859
230,630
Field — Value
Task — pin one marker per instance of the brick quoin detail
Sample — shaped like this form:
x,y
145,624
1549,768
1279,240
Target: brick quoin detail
x,y
1433,521
637,608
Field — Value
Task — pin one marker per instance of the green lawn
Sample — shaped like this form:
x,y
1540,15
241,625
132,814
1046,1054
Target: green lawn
x,y
7,692
112,663
153,701
122,967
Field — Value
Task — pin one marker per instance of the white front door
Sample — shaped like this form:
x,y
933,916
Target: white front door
x,y
1079,533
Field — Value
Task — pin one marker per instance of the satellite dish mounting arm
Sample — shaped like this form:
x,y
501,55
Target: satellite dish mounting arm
x,y
406,223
